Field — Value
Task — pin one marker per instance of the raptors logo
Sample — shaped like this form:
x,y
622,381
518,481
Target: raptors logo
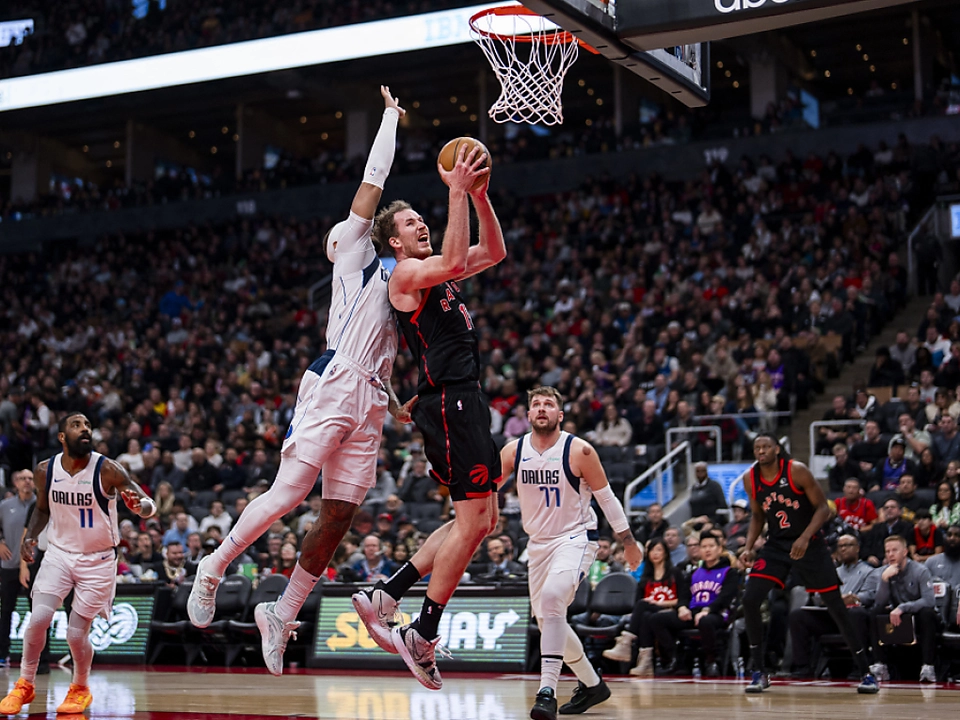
x,y
759,565
479,475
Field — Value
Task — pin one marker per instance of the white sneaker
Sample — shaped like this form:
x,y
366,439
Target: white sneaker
x,y
274,635
880,672
420,655
928,674
622,651
377,610
202,603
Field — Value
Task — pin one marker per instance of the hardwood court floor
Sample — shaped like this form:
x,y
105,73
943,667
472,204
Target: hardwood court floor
x,y
200,694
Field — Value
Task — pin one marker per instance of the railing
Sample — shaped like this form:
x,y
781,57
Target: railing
x,y
655,471
322,284
712,429
911,275
814,426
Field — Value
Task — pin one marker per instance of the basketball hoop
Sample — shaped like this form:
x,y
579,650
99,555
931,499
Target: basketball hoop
x,y
530,56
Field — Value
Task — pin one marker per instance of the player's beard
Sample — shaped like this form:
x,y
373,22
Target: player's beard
x,y
79,447
952,550
546,428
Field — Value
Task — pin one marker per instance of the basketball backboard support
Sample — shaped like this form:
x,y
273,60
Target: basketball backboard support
x,y
682,71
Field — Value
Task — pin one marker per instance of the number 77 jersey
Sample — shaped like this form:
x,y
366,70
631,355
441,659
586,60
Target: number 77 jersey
x,y
553,502
83,519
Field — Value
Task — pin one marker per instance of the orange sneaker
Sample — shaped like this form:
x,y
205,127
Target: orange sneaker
x,y
78,699
22,694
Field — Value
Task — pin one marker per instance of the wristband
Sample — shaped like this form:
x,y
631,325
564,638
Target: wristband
x,y
147,508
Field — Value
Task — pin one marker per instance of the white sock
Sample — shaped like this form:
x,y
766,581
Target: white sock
x,y
295,594
577,661
35,636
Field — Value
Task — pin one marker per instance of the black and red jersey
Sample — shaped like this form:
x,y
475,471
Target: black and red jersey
x,y
787,508
442,338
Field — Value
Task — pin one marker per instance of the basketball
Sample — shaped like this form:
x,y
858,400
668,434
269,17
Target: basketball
x,y
448,155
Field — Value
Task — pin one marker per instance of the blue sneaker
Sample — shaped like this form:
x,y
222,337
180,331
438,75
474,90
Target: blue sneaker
x,y
759,681
868,685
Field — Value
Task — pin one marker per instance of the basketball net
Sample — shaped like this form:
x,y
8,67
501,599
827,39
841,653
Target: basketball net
x,y
530,56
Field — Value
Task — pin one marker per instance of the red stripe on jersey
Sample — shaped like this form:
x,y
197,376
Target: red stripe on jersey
x,y
797,490
446,433
413,321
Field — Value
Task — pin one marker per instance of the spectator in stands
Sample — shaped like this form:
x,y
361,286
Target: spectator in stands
x,y
648,430
417,486
946,440
167,472
656,591
612,430
230,475
903,351
736,530
604,563
260,469
906,589
917,440
183,458
885,372
704,603
938,345
929,471
843,468
193,552
174,563
871,451
927,387
865,405
178,533
859,583
887,474
132,459
706,495
854,509
678,552
889,523
384,528
311,516
946,510
910,502
654,526
927,539
373,566
830,435
517,424
202,476
146,557
946,565
691,555
217,517
500,567
285,561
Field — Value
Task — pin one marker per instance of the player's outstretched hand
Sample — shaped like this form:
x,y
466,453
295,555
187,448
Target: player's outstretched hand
x,y
404,412
468,169
633,554
390,101
131,500
799,548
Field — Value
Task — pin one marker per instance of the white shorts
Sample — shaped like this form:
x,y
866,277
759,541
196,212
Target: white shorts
x,y
92,577
336,427
564,561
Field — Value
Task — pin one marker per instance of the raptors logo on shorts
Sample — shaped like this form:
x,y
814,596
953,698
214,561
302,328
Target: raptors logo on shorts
x,y
759,564
479,475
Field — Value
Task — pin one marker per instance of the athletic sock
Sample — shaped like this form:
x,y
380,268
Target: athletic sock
x,y
402,580
576,660
295,594
429,620
550,666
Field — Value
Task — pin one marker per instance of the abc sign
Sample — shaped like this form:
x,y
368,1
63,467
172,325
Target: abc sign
x,y
734,5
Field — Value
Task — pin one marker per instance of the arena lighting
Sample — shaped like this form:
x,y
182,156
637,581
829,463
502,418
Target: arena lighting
x,y
317,47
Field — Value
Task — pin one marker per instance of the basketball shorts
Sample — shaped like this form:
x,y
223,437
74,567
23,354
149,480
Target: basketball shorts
x,y
559,564
455,423
92,577
815,569
336,427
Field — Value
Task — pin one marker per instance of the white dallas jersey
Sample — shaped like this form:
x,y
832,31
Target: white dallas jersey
x,y
361,324
553,502
83,519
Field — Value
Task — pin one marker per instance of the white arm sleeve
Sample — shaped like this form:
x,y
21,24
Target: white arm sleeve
x,y
349,246
612,509
384,146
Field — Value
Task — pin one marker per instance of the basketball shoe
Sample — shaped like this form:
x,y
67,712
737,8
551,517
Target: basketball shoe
x,y
759,681
585,698
545,706
78,699
378,612
420,655
868,685
274,634
202,603
22,694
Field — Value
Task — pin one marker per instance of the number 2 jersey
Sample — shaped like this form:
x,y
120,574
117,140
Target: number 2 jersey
x,y
553,502
787,508
83,518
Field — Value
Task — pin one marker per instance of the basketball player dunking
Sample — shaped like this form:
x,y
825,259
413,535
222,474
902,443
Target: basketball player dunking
x,y
784,495
557,474
77,494
450,412
342,402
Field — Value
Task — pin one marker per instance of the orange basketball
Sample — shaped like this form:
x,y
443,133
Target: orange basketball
x,y
448,155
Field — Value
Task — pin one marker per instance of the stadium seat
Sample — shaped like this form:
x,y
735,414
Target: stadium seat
x,y
581,600
171,632
233,597
613,595
243,634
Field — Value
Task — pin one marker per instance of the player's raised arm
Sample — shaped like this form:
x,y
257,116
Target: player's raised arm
x,y
491,249
380,159
805,481
116,478
585,463
40,515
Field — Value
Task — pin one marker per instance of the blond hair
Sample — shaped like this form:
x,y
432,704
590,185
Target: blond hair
x,y
384,226
546,391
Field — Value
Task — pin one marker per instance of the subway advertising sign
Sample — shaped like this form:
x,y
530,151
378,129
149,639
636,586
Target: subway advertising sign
x,y
121,638
481,631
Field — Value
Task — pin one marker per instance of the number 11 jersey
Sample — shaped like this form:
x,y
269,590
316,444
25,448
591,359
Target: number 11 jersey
x,y
82,518
553,502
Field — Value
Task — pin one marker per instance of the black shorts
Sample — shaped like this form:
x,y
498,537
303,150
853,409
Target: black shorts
x,y
815,569
455,423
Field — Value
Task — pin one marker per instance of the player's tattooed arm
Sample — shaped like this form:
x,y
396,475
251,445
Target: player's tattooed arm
x,y
401,411
40,515
115,478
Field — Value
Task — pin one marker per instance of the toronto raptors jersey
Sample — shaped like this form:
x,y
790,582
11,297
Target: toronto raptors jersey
x,y
82,518
787,509
442,339
553,502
